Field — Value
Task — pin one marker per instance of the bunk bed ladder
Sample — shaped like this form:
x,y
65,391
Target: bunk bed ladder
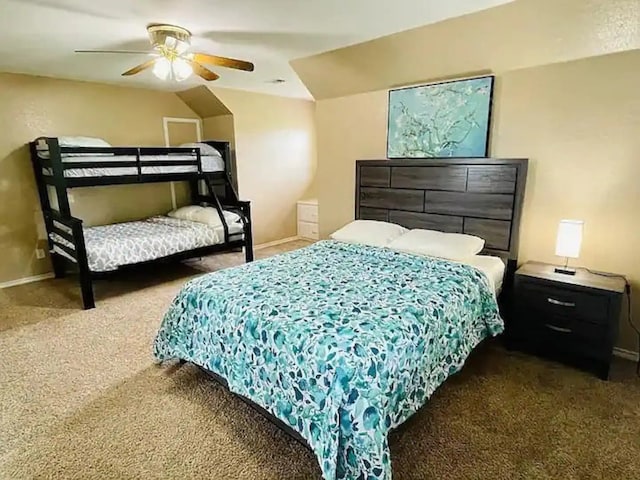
x,y
229,190
218,205
244,208
65,236
57,262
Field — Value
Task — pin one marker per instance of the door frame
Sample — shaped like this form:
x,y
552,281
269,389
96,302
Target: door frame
x,y
167,143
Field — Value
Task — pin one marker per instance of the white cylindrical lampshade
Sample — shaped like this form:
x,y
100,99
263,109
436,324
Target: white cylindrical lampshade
x,y
569,238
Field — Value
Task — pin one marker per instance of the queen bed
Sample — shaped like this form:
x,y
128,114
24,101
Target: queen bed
x,y
340,343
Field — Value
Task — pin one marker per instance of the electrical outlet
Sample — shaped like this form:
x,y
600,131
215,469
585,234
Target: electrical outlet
x,y
39,253
71,198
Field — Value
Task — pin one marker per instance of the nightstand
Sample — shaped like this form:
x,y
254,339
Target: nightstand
x,y
308,219
570,318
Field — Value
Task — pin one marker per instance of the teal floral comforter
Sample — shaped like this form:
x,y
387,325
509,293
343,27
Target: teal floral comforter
x,y
342,342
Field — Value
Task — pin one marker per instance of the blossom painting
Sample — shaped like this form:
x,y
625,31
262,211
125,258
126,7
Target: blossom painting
x,y
448,119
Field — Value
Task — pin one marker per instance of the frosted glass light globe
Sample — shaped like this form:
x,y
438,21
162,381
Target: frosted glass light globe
x,y
162,68
181,69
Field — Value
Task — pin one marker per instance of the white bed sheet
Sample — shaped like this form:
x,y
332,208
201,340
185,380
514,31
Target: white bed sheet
x,y
492,267
210,163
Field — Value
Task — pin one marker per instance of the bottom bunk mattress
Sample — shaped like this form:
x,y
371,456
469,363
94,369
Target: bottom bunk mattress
x,y
112,246
341,342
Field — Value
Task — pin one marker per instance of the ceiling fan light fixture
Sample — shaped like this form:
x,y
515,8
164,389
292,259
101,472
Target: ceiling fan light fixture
x,y
177,69
162,68
171,59
181,69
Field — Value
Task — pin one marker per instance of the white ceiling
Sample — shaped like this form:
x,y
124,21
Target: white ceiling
x,y
39,36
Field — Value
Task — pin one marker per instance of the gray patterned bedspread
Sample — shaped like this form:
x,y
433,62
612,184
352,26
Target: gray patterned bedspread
x,y
111,246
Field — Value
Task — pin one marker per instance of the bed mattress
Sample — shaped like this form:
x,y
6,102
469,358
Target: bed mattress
x,y
492,267
210,163
112,246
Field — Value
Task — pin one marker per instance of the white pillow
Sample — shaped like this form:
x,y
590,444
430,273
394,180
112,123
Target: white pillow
x,y
452,246
369,232
185,213
209,216
206,215
79,142
205,149
82,142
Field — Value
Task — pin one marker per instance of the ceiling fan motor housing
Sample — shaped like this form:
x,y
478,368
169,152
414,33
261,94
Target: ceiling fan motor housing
x,y
169,37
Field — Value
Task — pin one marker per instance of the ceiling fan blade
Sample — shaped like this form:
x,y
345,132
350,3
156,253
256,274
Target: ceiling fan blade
x,y
139,68
134,52
205,73
223,61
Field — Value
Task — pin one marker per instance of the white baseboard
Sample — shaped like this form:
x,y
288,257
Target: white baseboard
x,y
627,354
276,242
22,281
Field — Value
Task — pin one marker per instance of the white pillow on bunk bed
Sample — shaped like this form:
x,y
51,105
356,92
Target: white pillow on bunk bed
x,y
185,213
79,142
206,215
83,142
205,149
209,216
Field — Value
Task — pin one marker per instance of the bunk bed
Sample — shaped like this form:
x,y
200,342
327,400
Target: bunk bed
x,y
74,247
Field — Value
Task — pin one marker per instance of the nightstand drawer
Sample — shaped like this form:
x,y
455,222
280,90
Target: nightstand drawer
x,y
564,301
308,230
566,334
567,326
307,213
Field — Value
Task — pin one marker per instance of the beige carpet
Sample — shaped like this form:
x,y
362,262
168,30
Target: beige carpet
x,y
81,398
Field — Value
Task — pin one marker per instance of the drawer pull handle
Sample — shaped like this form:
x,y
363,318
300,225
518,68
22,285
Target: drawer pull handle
x,y
558,329
558,302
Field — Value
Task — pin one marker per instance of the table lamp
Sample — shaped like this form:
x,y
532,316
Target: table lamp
x,y
568,243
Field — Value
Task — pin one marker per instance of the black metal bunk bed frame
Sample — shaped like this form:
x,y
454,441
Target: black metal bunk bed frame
x,y
53,188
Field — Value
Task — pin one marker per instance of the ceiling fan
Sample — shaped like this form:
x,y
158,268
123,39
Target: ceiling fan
x,y
171,56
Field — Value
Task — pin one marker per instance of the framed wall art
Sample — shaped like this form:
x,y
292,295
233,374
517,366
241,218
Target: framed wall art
x,y
449,119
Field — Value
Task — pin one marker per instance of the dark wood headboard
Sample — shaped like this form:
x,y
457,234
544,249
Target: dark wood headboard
x,y
478,196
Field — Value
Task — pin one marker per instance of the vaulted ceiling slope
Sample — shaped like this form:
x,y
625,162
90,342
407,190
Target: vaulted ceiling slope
x,y
521,34
39,36
204,102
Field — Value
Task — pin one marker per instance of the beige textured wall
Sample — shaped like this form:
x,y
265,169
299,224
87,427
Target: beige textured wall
x,y
35,106
180,133
578,122
220,127
276,157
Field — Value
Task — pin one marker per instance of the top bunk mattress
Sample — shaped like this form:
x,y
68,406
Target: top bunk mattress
x,y
210,163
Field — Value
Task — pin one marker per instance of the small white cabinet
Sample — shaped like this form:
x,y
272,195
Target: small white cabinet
x,y
308,219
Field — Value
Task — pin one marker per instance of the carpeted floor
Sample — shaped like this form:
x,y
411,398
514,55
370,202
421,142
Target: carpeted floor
x,y
81,398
